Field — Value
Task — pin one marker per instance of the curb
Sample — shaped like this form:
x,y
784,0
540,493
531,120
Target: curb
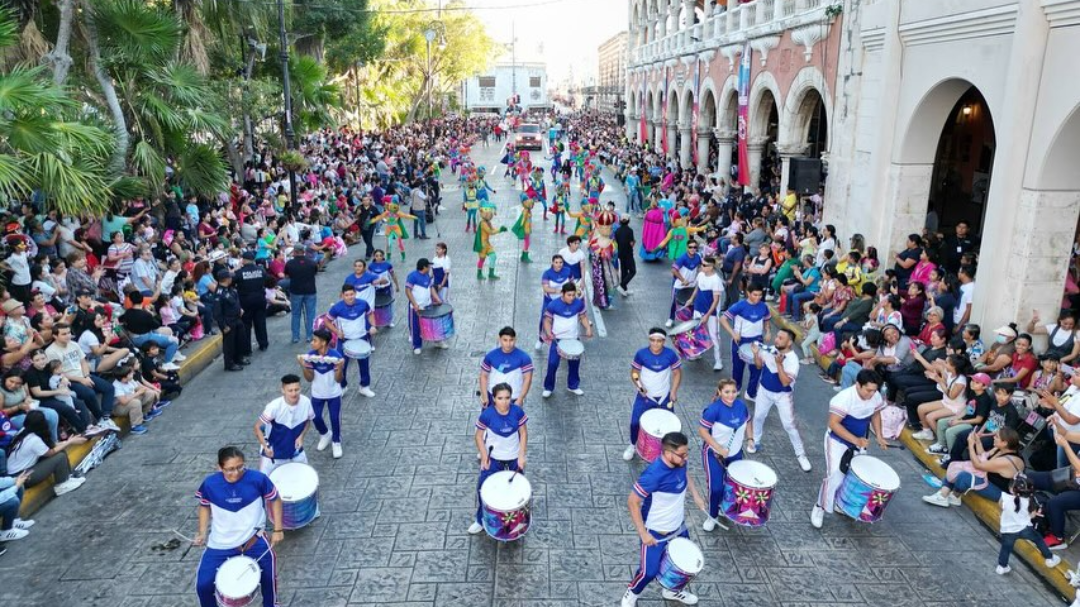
x,y
986,511
197,359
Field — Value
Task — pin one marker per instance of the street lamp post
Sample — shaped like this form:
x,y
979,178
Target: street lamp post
x,y
290,135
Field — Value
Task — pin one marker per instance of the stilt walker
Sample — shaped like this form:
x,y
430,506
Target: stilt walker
x,y
482,244
523,227
395,225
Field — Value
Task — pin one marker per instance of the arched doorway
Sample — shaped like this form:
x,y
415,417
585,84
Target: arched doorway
x,y
963,164
727,121
706,119
671,121
765,168
813,125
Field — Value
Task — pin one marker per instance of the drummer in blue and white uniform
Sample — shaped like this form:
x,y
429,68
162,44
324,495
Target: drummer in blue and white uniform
x,y
420,289
384,277
656,373
502,440
747,321
779,369
365,282
353,320
561,319
440,271
684,275
551,283
852,413
657,510
574,258
724,424
232,512
324,368
706,298
508,365
286,419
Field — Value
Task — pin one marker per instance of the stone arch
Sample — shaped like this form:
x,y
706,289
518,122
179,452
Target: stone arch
x,y
686,107
764,87
727,105
1058,171
920,141
707,108
800,103
672,105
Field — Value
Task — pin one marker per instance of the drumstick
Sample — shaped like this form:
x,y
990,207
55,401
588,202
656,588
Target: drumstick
x,y
255,566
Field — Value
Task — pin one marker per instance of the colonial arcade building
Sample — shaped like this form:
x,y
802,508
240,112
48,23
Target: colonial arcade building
x,y
922,113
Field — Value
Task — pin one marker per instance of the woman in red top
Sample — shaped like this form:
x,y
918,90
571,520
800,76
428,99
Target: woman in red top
x,y
1023,366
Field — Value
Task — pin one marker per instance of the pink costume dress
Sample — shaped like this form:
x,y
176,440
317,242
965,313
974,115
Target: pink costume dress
x,y
652,233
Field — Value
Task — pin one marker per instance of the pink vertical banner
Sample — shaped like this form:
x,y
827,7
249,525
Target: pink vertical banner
x,y
694,114
644,130
744,113
663,110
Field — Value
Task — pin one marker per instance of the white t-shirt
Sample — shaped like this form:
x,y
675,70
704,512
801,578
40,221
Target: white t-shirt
x,y
87,341
1013,521
967,296
572,258
20,267
124,388
29,451
65,234
70,357
1071,403
1062,337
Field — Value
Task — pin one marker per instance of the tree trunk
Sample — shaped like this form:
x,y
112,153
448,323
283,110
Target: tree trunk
x,y
420,96
59,57
310,45
123,140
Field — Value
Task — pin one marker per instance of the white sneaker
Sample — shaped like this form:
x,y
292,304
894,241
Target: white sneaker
x,y
392,325
111,425
683,596
68,486
539,346
366,391
416,351
751,447
804,463
628,454
954,500
577,391
709,524
817,517
23,523
719,366
335,450
475,528
170,367
668,323
324,442
747,398
1052,562
546,393
1002,570
923,435
178,357
629,599
936,499
444,344
13,534
622,291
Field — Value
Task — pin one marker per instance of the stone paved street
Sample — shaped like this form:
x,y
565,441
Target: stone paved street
x,y
396,507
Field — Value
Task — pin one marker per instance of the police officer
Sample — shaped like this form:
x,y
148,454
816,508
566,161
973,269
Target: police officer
x,y
251,285
235,341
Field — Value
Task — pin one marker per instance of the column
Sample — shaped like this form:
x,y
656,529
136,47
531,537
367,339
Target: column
x,y
1023,257
672,131
686,140
725,139
703,136
688,10
787,152
658,133
661,19
754,149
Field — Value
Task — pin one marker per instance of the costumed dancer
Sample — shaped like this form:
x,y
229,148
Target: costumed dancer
x,y
684,276
653,233
420,290
482,244
594,184
602,253
353,318
233,508
508,365
502,439
852,413
470,203
657,507
678,237
551,283
706,298
779,369
724,425
440,271
747,321
323,367
560,204
285,419
508,160
537,188
523,168
523,226
561,320
584,218
395,225
482,187
656,373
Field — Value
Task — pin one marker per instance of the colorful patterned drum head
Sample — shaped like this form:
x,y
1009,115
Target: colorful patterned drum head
x,y
682,561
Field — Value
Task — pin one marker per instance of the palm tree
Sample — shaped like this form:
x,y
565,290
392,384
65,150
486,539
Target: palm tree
x,y
45,144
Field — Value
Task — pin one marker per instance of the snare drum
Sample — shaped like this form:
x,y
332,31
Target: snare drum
x,y
570,349
748,492
682,561
682,296
236,583
437,322
298,486
746,351
505,500
866,489
383,310
683,315
691,338
357,349
655,423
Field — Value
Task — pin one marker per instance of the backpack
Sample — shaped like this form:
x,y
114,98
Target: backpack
x,y
109,443
893,419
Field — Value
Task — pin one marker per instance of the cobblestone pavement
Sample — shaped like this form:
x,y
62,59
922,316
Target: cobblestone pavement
x,y
395,508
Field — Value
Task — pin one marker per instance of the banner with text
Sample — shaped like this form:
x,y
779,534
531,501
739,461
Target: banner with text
x,y
744,112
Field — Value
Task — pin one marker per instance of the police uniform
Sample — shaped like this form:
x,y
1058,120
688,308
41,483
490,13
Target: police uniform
x,y
251,286
235,341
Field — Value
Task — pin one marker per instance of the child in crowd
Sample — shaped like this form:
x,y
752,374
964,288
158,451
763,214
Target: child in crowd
x,y
1017,506
167,382
810,325
134,400
58,381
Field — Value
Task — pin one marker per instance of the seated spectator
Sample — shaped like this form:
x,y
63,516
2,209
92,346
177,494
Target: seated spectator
x,y
1061,502
1000,354
934,321
1064,410
913,379
134,400
86,385
1022,367
167,383
1062,336
1002,415
833,310
855,315
988,472
975,412
144,326
911,308
101,356
34,451
17,403
886,312
952,384
1049,376
277,301
11,493
47,383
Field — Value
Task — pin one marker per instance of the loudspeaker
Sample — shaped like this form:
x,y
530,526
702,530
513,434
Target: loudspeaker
x,y
620,119
805,175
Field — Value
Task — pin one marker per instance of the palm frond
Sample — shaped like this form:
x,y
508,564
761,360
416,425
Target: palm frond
x,y
29,133
15,176
202,170
24,88
69,187
137,31
9,27
147,162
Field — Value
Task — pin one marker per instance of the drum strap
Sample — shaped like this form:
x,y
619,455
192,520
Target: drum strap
x,y
251,542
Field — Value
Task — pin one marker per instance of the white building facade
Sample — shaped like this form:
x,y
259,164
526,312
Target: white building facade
x,y
611,83
494,89
963,110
